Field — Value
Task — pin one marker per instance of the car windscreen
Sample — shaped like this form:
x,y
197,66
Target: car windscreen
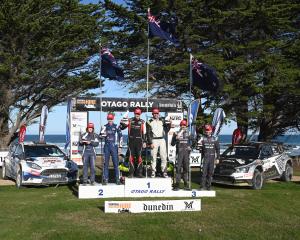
x,y
43,151
243,152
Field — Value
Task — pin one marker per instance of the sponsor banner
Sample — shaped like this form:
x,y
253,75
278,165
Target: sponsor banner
x,y
78,123
195,159
3,155
186,205
176,119
125,104
147,187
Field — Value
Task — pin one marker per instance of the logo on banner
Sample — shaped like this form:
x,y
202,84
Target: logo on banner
x,y
188,205
195,159
158,207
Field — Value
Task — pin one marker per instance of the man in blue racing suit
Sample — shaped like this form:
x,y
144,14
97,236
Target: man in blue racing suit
x,y
89,140
112,135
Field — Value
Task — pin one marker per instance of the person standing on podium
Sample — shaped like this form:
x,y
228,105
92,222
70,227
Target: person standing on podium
x,y
136,141
182,140
112,135
89,140
157,128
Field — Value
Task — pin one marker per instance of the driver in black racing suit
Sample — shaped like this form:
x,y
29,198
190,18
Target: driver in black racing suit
x,y
210,153
136,141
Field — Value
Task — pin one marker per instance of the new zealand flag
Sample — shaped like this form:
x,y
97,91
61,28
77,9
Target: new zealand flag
x,y
162,30
204,76
109,66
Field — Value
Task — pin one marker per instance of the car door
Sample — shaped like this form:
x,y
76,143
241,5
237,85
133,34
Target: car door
x,y
17,157
269,161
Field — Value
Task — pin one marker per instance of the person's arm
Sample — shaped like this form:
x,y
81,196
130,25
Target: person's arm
x,y
166,125
82,140
120,135
95,141
174,139
149,133
143,133
217,146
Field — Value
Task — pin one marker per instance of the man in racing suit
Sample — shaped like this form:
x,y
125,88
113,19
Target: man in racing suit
x,y
183,148
136,141
156,129
112,135
89,140
210,153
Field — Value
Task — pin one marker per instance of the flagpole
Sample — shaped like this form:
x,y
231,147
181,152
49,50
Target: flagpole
x,y
147,93
100,86
190,127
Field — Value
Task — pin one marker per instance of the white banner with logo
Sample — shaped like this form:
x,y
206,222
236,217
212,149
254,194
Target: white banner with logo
x,y
3,155
186,205
176,119
78,123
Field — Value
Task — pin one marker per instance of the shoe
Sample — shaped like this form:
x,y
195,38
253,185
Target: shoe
x,y
208,188
176,188
104,182
118,182
130,176
84,184
186,188
93,183
153,175
140,175
165,175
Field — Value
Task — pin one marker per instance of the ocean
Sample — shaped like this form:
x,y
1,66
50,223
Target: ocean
x,y
291,141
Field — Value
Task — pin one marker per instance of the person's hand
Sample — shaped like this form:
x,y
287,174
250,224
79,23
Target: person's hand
x,y
144,145
217,161
152,145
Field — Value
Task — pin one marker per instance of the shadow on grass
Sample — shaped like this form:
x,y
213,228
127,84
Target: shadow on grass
x,y
74,189
101,208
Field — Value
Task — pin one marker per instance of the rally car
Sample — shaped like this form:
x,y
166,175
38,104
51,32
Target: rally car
x,y
38,164
253,163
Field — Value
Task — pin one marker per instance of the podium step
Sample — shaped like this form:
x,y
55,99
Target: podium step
x,y
137,188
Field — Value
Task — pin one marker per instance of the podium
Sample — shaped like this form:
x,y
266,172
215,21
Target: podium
x,y
139,188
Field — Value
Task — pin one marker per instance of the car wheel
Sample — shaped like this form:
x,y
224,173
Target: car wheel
x,y
287,174
4,175
19,178
257,180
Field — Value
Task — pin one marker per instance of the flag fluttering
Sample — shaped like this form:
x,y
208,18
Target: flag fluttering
x,y
109,66
192,116
43,122
163,30
204,76
68,124
22,133
218,120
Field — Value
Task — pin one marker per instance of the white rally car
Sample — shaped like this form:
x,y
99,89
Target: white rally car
x,y
38,164
253,163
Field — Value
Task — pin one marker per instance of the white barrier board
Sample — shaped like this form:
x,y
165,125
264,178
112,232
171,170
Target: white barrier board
x,y
147,187
3,155
186,205
110,190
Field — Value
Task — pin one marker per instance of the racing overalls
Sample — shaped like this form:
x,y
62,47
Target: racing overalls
x,y
136,138
89,155
112,137
156,130
210,151
183,149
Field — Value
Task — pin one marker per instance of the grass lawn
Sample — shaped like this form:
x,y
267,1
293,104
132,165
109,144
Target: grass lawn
x,y
236,213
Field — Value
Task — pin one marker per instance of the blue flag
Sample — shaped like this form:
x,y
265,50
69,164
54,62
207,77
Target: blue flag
x,y
109,66
192,114
68,124
204,76
162,30
218,120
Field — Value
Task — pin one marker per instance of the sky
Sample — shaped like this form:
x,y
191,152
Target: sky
x,y
56,123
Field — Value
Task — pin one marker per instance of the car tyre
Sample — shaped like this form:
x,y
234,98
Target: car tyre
x,y
4,175
288,173
19,178
257,180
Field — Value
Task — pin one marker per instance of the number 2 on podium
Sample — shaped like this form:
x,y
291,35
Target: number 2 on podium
x,y
100,192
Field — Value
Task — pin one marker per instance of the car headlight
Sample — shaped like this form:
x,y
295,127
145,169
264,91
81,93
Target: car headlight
x,y
33,165
242,169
